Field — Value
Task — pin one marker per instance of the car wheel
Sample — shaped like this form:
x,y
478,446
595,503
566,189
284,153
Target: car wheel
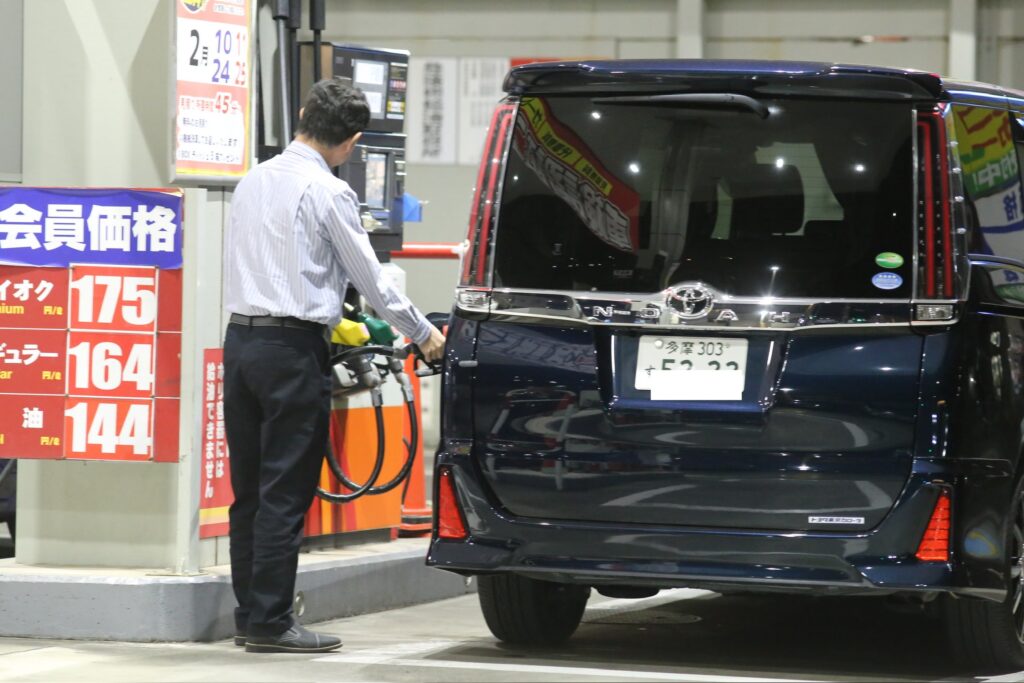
x,y
525,611
990,635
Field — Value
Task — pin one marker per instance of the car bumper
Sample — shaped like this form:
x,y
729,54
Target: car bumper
x,y
878,561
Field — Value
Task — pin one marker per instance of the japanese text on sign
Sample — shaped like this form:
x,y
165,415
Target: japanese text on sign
x,y
90,324
213,84
215,483
45,227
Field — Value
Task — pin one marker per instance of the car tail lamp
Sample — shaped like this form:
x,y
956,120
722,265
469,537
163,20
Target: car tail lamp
x,y
482,215
935,230
934,546
449,516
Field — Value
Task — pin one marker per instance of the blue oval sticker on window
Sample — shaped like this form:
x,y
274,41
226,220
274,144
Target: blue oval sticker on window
x,y
886,280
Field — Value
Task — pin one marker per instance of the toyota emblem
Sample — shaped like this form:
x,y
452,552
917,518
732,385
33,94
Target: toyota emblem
x,y
690,301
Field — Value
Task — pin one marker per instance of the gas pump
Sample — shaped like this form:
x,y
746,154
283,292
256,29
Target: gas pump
x,y
373,392
376,170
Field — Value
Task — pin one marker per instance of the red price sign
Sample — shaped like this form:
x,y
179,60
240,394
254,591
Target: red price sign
x,y
108,429
110,364
33,297
119,298
31,426
32,361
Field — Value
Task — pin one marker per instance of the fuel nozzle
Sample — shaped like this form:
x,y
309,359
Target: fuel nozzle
x,y
350,333
363,371
380,332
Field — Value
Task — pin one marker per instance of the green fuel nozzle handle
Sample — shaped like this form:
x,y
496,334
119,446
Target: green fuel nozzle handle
x,y
380,332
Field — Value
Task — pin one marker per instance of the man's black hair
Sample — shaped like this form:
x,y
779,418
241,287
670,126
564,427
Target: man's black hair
x,y
334,111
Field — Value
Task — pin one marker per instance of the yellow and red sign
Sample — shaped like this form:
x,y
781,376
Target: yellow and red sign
x,y
212,101
607,206
215,495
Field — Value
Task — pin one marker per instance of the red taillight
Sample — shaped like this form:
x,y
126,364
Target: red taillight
x,y
449,516
475,265
936,233
934,546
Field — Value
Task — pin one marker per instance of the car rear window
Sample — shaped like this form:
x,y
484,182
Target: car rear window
x,y
815,200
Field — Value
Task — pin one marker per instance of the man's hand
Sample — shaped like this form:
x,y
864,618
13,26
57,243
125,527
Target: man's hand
x,y
433,348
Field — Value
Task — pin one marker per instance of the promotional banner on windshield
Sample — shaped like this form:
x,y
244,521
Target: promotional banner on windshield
x,y
606,205
90,323
992,177
990,168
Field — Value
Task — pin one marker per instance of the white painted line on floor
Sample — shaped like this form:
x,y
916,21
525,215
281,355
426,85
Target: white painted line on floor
x,y
560,671
632,604
1005,678
43,660
380,655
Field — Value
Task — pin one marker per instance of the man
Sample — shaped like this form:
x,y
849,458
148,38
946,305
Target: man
x,y
294,242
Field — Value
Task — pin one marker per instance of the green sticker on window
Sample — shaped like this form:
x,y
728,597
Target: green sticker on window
x,y
888,259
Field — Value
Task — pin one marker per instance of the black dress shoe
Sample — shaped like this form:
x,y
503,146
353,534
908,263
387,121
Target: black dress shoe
x,y
240,639
295,639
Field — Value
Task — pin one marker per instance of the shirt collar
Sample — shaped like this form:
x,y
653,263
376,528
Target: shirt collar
x,y
307,152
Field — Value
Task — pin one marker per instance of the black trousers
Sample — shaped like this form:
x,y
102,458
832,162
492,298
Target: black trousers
x,y
277,389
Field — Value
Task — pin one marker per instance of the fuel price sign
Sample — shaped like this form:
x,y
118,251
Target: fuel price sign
x,y
90,324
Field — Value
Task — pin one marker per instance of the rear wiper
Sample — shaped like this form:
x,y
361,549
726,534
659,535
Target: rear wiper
x,y
713,99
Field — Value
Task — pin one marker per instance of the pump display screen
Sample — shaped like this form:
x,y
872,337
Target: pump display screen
x,y
372,78
376,180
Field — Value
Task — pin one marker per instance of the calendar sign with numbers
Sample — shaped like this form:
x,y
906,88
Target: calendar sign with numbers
x,y
214,77
90,351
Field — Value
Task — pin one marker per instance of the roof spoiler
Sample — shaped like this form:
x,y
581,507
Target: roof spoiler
x,y
752,78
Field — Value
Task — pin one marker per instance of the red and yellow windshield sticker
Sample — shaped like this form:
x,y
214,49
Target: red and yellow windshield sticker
x,y
986,149
606,205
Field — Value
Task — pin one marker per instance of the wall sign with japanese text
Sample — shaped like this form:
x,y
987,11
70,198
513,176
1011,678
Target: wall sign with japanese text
x,y
90,323
214,76
215,495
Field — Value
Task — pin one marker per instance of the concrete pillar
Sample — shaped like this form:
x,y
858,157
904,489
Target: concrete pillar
x,y
98,112
963,40
690,29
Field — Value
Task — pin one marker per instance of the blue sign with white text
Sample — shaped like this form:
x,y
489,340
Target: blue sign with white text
x,y
60,226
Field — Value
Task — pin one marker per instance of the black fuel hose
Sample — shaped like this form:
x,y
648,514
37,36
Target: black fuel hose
x,y
378,465
368,488
403,473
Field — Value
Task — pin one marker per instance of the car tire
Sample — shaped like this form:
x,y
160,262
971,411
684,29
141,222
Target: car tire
x,y
987,635
524,611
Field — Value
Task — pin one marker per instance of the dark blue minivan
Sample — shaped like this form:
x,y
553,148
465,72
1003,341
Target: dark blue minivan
x,y
741,326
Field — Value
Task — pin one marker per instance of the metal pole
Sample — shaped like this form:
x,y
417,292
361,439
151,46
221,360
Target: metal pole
x,y
281,14
317,22
294,24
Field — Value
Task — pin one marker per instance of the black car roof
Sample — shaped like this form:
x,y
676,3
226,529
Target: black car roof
x,y
750,76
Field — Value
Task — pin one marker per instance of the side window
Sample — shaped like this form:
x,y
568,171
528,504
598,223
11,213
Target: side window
x,y
988,147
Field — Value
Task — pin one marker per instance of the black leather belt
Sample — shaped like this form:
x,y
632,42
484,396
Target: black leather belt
x,y
277,321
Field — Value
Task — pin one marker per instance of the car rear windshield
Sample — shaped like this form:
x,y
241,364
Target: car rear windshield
x,y
632,195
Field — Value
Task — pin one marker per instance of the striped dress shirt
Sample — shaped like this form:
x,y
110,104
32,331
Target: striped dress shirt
x,y
295,241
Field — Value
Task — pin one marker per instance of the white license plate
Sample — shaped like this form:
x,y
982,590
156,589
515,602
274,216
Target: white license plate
x,y
692,368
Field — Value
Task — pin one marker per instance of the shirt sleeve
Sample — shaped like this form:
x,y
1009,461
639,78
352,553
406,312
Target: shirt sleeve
x,y
351,245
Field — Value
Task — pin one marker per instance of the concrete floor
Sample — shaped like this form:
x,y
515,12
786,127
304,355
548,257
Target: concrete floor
x,y
677,636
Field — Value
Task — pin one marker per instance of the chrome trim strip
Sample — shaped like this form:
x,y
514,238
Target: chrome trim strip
x,y
980,259
651,311
720,299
